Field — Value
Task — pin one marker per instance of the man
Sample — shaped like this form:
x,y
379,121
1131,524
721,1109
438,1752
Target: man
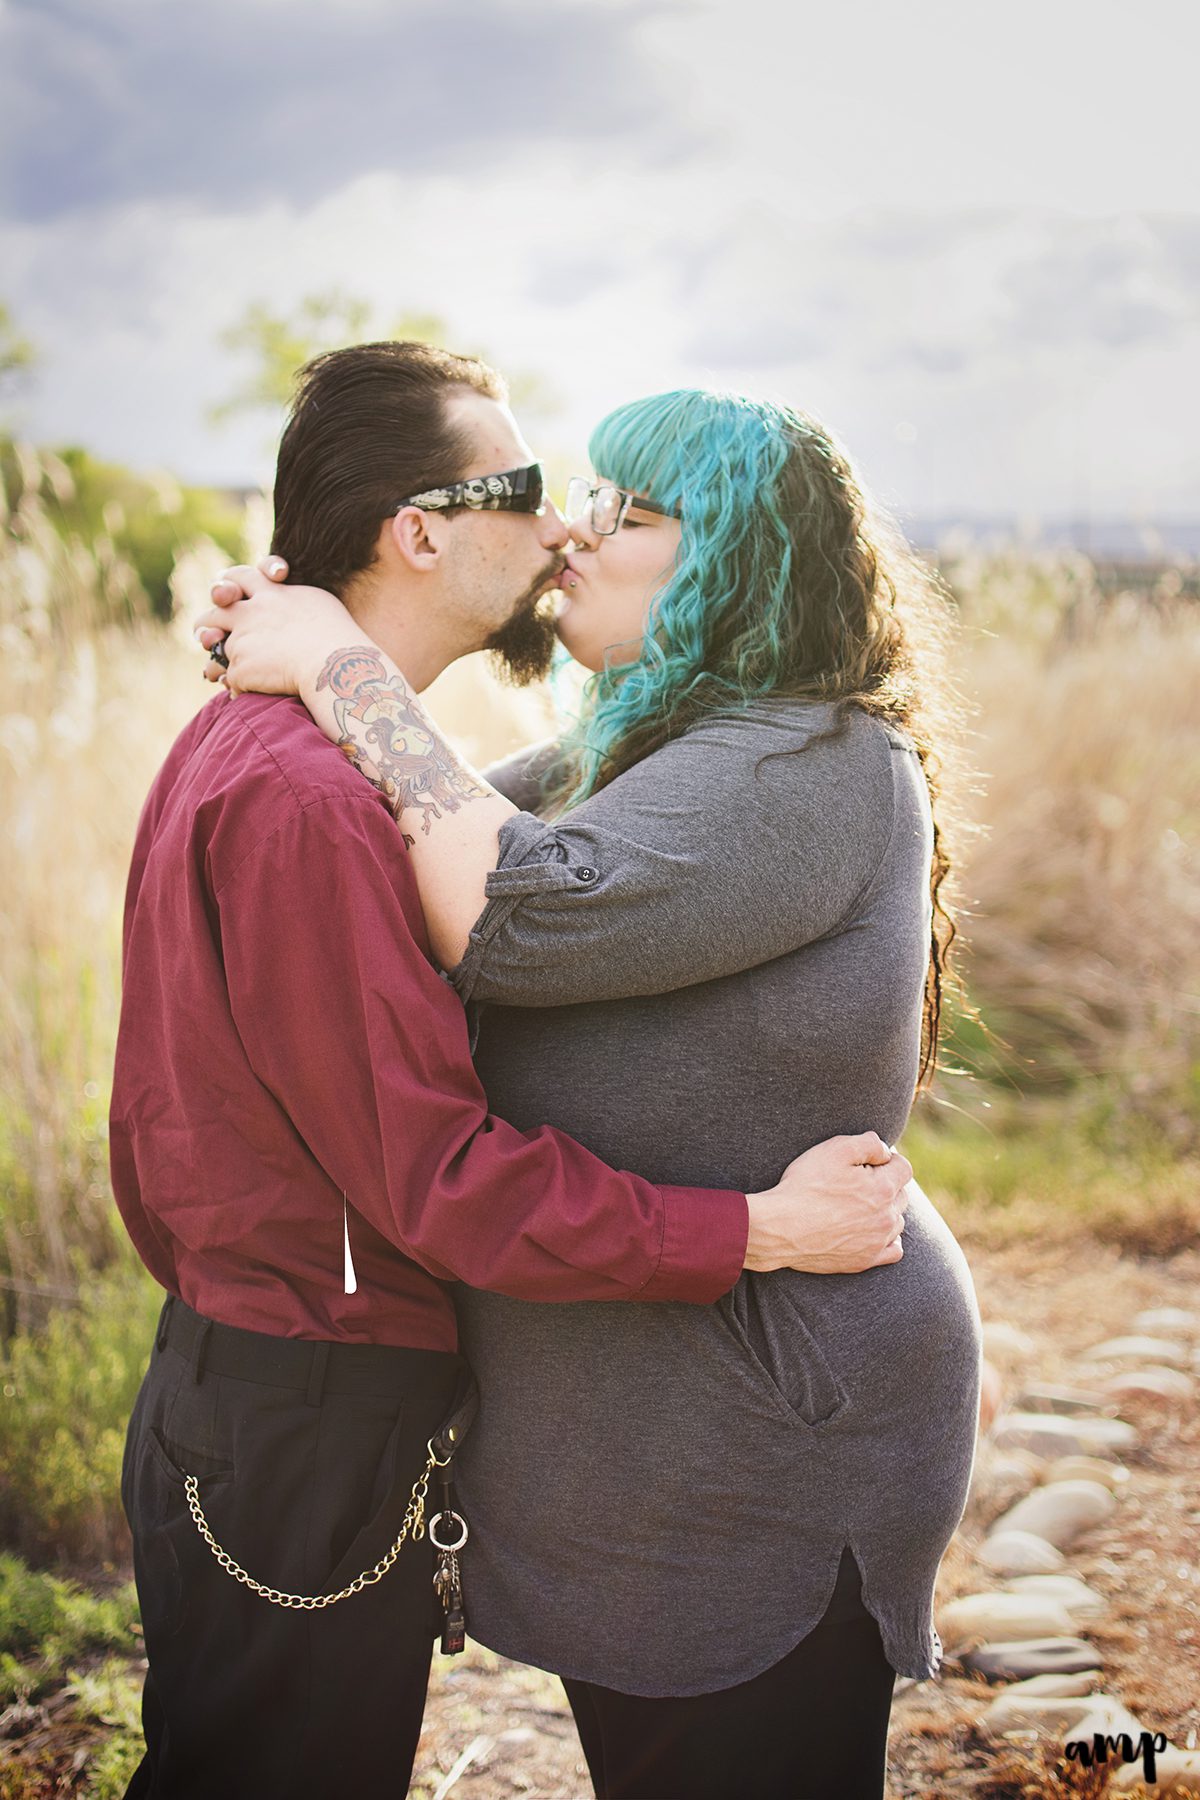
x,y
302,1152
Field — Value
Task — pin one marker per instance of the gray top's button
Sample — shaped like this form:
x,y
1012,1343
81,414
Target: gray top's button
x,y
585,874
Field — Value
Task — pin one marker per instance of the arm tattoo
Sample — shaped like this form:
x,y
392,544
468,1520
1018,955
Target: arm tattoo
x,y
390,738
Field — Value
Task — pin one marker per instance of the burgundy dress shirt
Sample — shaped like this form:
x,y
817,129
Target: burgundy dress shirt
x,y
293,1075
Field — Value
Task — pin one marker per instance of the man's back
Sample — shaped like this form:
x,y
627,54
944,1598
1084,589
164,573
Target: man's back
x,y
223,1198
285,1040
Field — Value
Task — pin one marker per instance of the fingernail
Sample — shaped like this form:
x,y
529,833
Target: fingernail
x,y
275,565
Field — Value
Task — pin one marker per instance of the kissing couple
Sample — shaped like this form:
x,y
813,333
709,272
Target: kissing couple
x,y
515,1146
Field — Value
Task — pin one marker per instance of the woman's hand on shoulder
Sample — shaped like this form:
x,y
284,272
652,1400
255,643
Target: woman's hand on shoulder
x,y
276,637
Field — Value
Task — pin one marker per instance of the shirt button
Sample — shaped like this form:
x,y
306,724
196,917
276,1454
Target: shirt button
x,y
583,873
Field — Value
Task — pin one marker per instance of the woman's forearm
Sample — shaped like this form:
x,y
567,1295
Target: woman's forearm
x,y
449,817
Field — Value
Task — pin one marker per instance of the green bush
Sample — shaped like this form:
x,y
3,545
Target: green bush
x,y
145,521
66,1393
109,1771
47,1625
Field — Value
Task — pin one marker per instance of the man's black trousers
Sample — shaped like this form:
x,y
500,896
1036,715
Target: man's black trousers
x,y
306,1455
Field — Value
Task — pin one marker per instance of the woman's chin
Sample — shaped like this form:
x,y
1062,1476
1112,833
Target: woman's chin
x,y
574,643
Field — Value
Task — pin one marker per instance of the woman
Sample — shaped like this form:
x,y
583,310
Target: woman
x,y
722,1525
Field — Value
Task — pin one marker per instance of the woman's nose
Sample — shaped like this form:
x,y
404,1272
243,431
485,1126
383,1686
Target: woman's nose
x,y
582,531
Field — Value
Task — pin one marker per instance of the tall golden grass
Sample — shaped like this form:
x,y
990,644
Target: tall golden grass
x,y
1080,893
1083,882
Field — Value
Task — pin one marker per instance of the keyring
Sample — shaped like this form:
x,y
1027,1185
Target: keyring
x,y
432,1529
217,654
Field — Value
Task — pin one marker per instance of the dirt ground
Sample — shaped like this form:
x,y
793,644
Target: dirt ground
x,y
496,1731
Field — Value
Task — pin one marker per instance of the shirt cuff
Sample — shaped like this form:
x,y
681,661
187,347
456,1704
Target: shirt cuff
x,y
705,1231
531,861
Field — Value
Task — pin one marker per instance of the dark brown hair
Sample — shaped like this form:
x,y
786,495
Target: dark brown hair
x,y
367,427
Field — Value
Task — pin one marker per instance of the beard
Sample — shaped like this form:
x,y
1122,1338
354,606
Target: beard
x,y
522,651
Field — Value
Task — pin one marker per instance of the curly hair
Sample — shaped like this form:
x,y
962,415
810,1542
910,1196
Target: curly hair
x,y
788,581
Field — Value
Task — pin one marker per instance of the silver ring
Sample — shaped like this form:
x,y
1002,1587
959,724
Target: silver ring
x,y
433,1538
217,654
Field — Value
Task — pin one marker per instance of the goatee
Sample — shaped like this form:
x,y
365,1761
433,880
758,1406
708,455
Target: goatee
x,y
523,650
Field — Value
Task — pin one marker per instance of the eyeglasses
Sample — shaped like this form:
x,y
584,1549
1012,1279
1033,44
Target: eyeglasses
x,y
516,490
603,507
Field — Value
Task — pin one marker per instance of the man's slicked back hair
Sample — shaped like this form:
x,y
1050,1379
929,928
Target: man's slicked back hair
x,y
368,426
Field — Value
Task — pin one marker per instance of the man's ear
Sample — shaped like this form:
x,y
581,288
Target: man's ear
x,y
417,537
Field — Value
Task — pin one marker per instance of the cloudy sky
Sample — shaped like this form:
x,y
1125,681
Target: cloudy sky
x,y
965,236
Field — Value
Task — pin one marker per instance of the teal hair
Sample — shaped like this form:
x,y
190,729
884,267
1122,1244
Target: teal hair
x,y
723,630
787,581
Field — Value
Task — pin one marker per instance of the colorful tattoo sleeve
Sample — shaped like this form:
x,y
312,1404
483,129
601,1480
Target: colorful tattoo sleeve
x,y
390,738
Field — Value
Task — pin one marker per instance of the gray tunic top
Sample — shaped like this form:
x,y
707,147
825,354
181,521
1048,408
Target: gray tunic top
x,y
705,969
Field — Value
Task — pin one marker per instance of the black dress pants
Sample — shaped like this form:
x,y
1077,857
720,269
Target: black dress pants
x,y
812,1727
305,1471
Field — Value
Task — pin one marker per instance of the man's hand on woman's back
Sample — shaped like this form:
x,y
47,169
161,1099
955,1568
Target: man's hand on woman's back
x,y
836,1210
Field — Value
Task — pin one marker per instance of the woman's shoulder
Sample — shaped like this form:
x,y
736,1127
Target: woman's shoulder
x,y
828,731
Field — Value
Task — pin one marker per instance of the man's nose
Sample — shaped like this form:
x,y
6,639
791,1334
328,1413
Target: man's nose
x,y
553,529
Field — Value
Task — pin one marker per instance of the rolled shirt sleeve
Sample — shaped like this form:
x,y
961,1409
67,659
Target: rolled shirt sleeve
x,y
346,1021
699,861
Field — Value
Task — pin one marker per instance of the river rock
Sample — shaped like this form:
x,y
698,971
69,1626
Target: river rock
x,y
1046,1434
1159,1383
1080,1600
1060,1512
1000,1477
1032,1656
1110,1718
1003,1342
1018,1553
1175,1772
1038,1686
1060,1718
991,1395
1139,1350
1001,1619
1113,1475
1047,1397
1169,1321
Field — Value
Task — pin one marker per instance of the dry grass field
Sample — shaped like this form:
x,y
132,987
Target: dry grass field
x,y
1065,1152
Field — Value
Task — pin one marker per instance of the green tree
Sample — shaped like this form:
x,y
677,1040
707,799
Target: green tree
x,y
17,353
278,344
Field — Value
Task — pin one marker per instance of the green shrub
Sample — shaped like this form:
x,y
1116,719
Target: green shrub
x,y
47,1625
108,1695
109,1771
66,1393
143,521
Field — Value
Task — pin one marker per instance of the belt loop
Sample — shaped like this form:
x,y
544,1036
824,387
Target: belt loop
x,y
316,1374
164,1321
201,1351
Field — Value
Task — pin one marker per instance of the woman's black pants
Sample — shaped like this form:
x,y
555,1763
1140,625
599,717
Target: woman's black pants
x,y
305,1456
812,1727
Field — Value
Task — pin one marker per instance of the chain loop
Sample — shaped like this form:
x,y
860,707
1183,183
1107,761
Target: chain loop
x,y
414,1522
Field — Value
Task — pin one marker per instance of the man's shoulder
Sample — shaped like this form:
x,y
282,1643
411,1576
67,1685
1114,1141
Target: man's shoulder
x,y
250,766
265,748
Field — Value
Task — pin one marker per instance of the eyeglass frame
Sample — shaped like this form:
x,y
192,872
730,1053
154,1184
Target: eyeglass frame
x,y
512,490
629,501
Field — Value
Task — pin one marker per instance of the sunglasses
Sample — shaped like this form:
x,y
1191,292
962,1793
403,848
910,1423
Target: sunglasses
x,y
516,490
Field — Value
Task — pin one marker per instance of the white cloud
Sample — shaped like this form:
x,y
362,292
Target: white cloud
x,y
890,219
